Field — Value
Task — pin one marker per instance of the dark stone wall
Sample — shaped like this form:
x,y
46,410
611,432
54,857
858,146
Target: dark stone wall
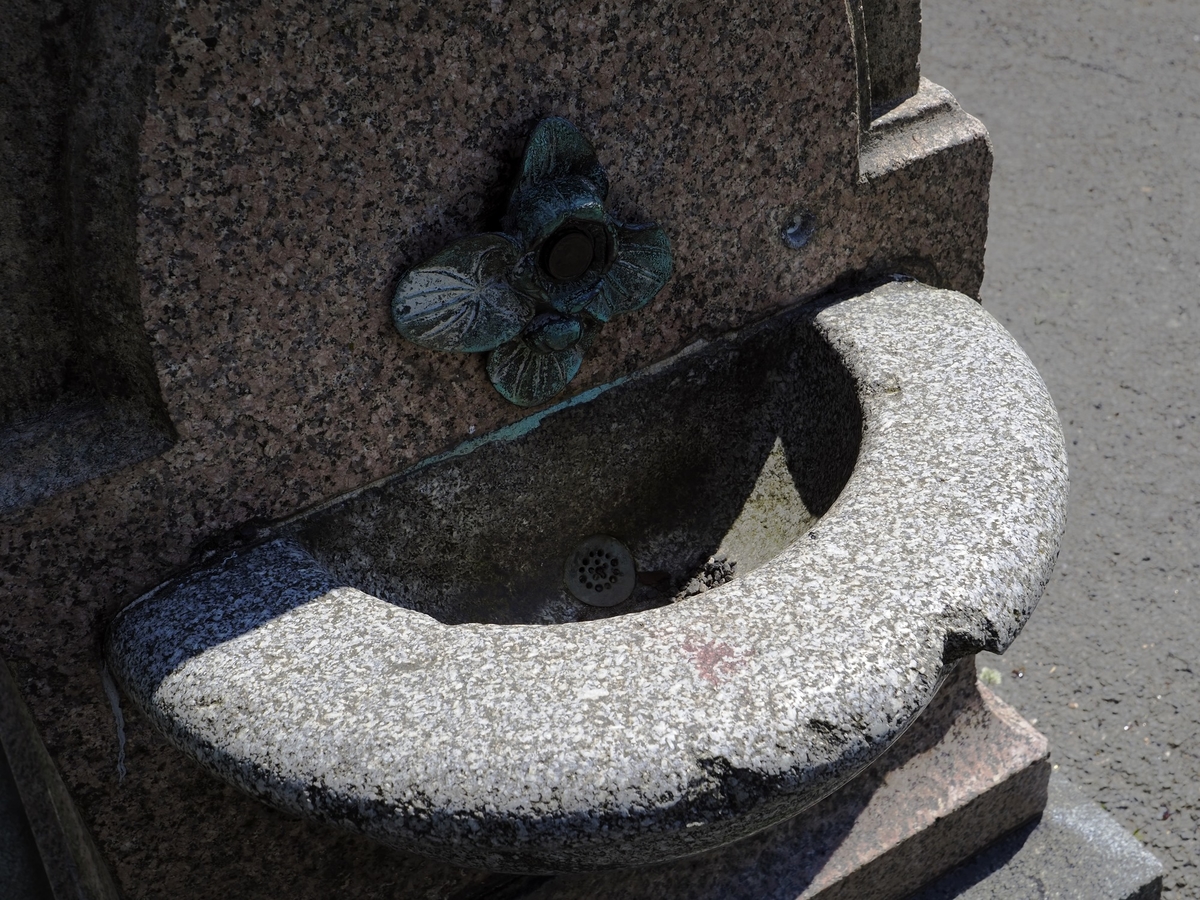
x,y
78,392
893,38
213,202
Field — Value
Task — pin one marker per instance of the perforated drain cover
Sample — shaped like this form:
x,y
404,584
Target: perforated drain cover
x,y
600,572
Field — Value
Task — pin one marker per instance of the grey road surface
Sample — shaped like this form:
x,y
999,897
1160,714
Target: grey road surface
x,y
1093,263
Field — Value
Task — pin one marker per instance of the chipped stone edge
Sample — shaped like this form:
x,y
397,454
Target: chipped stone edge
x,y
960,619
928,123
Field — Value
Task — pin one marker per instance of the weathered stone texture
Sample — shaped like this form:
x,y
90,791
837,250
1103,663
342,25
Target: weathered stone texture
x,y
288,164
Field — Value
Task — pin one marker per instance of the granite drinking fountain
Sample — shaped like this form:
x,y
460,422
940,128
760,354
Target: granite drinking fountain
x,y
581,466
880,475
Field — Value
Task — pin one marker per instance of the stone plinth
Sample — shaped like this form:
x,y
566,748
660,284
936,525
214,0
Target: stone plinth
x,y
227,194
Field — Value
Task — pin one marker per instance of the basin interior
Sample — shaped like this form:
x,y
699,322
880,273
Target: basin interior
x,y
704,467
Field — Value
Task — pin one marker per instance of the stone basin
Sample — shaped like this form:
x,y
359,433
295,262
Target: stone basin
x,y
881,472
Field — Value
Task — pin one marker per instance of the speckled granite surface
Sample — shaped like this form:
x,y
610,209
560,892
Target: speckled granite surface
x,y
603,744
268,234
41,822
968,771
1075,849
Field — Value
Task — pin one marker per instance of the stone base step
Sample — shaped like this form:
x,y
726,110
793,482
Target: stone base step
x,y
965,797
969,771
1073,850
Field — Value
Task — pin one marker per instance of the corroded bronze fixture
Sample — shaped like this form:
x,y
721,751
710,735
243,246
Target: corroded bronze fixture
x,y
535,295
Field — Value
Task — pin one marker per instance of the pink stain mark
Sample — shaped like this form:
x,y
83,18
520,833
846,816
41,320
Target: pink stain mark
x,y
714,660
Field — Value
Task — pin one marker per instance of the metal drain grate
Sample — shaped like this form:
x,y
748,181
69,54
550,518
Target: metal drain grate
x,y
600,572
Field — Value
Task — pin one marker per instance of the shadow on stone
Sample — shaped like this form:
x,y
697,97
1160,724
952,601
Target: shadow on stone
x,y
730,452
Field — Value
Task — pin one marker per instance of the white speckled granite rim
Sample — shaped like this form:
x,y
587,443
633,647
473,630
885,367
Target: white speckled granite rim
x,y
658,734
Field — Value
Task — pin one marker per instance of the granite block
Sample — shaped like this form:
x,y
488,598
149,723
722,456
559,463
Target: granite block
x,y
969,771
1073,851
60,858
79,395
253,179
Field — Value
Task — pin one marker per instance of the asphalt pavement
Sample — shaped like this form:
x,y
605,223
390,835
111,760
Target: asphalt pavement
x,y
1093,263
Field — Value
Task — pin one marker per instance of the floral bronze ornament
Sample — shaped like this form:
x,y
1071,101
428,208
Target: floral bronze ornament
x,y
535,296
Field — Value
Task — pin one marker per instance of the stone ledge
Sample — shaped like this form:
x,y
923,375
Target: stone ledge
x,y
923,126
969,771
